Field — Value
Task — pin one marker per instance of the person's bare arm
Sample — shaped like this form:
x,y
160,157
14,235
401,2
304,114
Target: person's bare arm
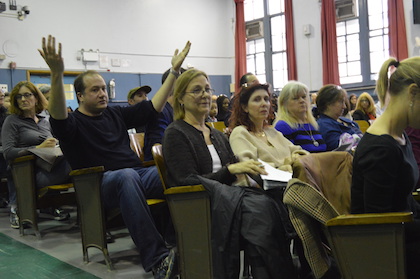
x,y
161,96
57,103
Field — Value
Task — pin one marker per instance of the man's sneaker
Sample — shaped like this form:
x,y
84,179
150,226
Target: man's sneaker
x,y
167,268
14,220
55,214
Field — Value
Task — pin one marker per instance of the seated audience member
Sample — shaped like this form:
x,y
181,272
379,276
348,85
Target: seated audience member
x,y
414,137
155,128
137,95
246,80
222,108
3,164
346,111
7,100
25,128
331,105
193,149
45,90
212,113
365,108
95,134
295,120
252,138
385,170
353,102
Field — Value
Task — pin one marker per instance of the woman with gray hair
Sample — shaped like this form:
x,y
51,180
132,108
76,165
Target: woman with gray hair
x,y
295,120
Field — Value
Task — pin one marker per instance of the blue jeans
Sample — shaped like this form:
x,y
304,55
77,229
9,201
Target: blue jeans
x,y
128,189
58,175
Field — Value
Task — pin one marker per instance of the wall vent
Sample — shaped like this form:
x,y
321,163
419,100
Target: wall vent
x,y
254,30
346,9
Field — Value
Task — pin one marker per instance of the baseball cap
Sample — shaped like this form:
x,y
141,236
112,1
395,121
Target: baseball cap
x,y
145,88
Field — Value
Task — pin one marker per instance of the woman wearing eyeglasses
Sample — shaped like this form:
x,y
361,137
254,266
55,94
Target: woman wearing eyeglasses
x,y
295,120
331,103
193,150
25,128
365,108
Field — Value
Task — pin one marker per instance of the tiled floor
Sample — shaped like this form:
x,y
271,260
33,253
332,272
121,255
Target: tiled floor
x,y
58,254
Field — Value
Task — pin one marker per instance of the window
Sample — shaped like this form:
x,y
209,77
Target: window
x,y
266,55
361,51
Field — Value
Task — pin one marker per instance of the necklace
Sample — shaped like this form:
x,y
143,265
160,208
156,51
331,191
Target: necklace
x,y
260,135
314,142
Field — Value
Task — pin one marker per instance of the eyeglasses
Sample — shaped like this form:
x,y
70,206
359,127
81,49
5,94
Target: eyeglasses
x,y
201,91
364,101
26,95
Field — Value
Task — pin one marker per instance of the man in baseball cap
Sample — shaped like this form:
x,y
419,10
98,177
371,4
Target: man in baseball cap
x,y
138,94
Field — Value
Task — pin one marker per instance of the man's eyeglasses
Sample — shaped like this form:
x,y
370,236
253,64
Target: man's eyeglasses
x,y
201,91
26,95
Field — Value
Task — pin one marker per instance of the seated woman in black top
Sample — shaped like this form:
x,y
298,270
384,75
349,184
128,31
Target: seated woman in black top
x,y
192,147
365,108
385,171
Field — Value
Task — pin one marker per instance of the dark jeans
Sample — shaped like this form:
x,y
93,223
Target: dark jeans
x,y
128,189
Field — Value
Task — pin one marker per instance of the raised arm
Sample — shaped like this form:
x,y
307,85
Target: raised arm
x,y
161,96
57,102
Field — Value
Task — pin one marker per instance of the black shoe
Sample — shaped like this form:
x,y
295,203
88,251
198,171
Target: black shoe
x,y
109,237
167,268
54,214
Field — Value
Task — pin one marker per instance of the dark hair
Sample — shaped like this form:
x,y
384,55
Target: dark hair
x,y
244,78
219,102
352,106
239,116
79,83
166,73
328,95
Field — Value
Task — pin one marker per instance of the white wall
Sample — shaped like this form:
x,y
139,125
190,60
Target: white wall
x,y
308,48
143,34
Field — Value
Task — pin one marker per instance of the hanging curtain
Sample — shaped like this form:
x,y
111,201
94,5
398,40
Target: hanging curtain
x,y
240,43
329,43
397,34
290,41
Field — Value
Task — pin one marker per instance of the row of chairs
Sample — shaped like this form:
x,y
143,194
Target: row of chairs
x,y
90,212
360,243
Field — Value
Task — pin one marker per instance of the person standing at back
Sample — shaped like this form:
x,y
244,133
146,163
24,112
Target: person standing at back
x,y
95,134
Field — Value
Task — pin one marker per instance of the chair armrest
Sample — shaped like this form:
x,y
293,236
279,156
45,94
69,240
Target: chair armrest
x,y
184,189
148,163
23,159
370,218
87,171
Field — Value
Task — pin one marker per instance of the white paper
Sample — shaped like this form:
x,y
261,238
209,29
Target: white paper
x,y
275,174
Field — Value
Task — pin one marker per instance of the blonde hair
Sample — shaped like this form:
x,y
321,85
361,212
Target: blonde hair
x,y
290,91
181,85
371,109
406,74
